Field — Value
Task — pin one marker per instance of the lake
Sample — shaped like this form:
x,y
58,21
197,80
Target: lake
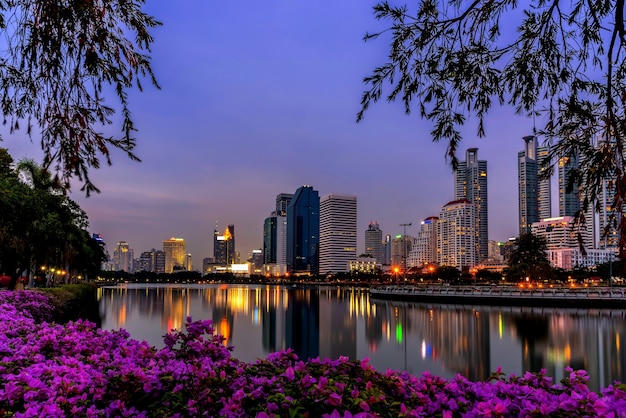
x,y
333,321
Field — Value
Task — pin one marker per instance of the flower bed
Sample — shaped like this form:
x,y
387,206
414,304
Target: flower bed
x,y
76,369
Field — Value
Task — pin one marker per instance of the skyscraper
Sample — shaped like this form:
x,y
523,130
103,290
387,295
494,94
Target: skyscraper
x,y
275,237
456,234
337,233
303,230
374,242
123,257
175,250
282,202
224,246
569,194
275,244
534,190
470,182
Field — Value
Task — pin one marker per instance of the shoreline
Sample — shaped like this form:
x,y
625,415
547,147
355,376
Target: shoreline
x,y
594,297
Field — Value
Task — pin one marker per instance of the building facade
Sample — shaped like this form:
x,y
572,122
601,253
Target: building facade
x,y
224,246
374,242
123,257
338,241
470,182
534,189
559,232
175,250
275,245
303,230
424,250
456,235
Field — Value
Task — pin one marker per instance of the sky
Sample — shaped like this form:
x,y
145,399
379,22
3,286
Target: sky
x,y
260,98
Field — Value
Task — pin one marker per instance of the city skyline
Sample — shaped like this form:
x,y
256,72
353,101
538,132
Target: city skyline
x,y
260,99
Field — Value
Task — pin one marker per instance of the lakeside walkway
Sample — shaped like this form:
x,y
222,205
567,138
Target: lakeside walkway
x,y
589,297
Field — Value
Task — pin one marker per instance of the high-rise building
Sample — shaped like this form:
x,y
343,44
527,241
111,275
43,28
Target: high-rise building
x,y
425,249
303,230
401,247
534,188
337,242
275,244
175,250
224,246
456,237
282,202
374,242
123,257
146,261
387,249
470,182
159,261
569,192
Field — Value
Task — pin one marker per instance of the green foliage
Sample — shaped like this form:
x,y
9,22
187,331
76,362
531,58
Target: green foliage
x,y
529,258
41,227
563,64
61,59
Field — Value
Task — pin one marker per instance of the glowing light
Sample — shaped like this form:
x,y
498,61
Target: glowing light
x,y
399,335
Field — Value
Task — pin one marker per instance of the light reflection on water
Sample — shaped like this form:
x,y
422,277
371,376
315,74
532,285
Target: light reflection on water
x,y
332,322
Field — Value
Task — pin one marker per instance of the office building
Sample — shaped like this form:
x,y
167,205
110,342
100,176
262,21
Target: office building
x,y
569,193
534,187
401,247
425,249
224,246
374,242
282,202
175,250
275,245
607,230
123,257
559,232
456,235
337,237
470,179
303,230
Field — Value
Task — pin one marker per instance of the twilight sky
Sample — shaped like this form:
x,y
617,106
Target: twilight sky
x,y
260,98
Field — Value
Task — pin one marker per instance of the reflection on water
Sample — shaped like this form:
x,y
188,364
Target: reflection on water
x,y
332,322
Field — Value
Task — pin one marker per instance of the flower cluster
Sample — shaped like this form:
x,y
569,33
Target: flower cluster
x,y
47,369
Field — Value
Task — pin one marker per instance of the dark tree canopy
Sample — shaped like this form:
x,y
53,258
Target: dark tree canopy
x,y
561,63
41,227
61,58
529,258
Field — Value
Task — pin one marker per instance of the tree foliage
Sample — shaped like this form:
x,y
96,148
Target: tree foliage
x,y
41,227
561,63
529,258
61,59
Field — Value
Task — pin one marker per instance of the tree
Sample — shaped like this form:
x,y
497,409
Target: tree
x,y
529,258
40,226
61,59
564,65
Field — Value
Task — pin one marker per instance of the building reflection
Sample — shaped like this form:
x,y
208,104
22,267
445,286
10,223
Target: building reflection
x,y
302,323
332,322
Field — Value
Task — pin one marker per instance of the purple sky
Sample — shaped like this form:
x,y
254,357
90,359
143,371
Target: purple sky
x,y
259,98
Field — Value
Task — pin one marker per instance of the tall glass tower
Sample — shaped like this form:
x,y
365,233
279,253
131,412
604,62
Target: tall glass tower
x,y
303,231
470,181
534,190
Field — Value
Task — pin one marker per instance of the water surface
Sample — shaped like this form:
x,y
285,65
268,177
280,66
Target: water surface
x,y
332,322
